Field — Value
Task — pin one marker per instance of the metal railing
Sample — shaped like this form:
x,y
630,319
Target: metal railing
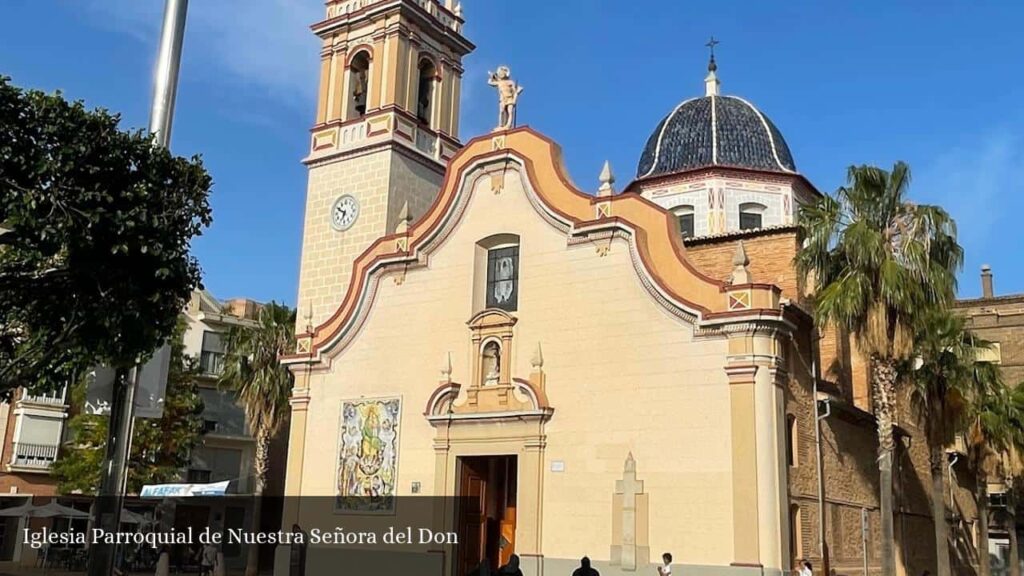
x,y
39,456
54,398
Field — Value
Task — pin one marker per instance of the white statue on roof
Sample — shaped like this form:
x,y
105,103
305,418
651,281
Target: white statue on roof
x,y
508,96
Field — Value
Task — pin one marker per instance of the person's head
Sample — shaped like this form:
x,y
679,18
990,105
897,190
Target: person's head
x,y
807,565
513,561
585,562
666,558
926,573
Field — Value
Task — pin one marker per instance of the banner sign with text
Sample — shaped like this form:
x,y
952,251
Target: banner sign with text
x,y
184,490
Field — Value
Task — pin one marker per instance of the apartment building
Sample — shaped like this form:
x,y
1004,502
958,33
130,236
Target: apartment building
x,y
33,427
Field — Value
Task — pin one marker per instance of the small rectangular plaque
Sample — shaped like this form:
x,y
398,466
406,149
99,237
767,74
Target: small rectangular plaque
x,y
557,466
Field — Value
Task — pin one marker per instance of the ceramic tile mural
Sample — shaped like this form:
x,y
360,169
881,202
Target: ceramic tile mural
x,y
368,455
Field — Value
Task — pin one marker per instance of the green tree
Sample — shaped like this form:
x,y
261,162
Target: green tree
x,y
1015,484
253,370
876,261
161,448
95,226
993,429
946,377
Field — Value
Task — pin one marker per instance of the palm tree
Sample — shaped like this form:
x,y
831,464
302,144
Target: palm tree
x,y
945,375
1014,483
263,386
993,429
877,261
1013,489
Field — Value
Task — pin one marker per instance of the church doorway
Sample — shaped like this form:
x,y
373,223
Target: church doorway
x,y
487,515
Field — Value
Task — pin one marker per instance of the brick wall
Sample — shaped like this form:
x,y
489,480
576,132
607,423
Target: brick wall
x,y
770,253
848,435
1000,320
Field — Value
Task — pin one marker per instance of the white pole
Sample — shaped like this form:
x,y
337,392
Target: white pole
x,y
167,65
107,511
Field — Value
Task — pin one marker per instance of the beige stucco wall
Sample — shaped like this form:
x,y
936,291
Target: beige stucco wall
x,y
623,375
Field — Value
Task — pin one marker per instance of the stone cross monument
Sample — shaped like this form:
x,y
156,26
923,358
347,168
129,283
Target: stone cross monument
x,y
630,546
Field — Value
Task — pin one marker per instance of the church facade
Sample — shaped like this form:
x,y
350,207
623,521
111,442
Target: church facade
x,y
611,374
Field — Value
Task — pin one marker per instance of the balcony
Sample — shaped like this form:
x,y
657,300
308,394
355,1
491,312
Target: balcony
x,y
33,456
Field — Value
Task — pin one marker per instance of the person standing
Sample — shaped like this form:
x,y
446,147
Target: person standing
x,y
163,561
666,565
209,559
512,568
806,569
585,569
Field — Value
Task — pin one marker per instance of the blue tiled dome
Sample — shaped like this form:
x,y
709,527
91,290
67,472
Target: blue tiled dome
x,y
715,131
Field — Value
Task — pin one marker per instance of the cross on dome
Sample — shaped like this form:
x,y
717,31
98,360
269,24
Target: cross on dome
x,y
711,46
711,83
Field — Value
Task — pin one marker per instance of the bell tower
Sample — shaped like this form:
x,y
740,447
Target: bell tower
x,y
387,122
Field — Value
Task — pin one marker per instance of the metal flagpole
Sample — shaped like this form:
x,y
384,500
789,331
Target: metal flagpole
x,y
167,65
122,410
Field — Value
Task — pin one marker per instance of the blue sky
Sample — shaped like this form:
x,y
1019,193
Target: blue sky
x,y
936,83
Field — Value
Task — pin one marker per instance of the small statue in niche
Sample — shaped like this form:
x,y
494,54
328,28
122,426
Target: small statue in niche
x,y
508,96
490,364
359,92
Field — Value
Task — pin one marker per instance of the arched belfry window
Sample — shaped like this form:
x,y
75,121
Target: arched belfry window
x,y
359,84
425,94
751,216
684,217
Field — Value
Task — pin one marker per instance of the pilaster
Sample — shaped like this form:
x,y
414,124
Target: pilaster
x,y
756,378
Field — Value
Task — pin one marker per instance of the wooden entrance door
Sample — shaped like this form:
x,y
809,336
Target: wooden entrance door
x,y
472,514
487,517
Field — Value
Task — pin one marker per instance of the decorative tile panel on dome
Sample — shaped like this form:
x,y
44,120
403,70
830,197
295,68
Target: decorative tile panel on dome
x,y
715,131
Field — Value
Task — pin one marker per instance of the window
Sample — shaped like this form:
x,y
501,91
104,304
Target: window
x,y
424,100
792,437
196,476
997,500
216,464
796,548
503,278
209,426
211,360
359,83
684,215
751,216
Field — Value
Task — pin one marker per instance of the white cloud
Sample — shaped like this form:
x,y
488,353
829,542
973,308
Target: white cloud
x,y
979,183
266,44
972,180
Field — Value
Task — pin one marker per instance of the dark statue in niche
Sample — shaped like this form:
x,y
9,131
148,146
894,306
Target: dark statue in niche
x,y
359,92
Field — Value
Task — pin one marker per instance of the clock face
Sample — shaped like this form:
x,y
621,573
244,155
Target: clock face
x,y
344,213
